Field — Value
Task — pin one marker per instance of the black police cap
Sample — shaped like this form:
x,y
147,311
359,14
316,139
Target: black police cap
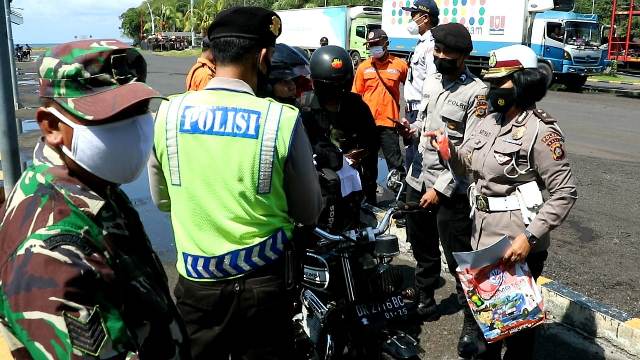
x,y
453,36
247,22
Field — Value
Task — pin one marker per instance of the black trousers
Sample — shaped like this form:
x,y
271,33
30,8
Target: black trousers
x,y
410,146
454,227
245,318
422,234
390,144
369,176
519,346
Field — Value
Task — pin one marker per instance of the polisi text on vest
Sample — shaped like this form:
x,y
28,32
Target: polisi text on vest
x,y
220,121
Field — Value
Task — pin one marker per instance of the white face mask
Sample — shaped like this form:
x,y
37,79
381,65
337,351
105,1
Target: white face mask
x,y
376,51
413,27
116,152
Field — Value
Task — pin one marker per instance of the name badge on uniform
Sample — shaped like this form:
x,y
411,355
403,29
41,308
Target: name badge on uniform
x,y
220,121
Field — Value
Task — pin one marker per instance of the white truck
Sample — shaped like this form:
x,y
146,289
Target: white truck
x,y
345,26
568,44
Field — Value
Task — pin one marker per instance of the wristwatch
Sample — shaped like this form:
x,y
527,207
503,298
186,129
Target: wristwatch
x,y
530,237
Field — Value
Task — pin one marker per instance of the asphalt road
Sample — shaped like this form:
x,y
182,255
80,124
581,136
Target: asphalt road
x,y
595,252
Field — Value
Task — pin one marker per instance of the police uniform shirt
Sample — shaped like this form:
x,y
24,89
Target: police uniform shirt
x,y
420,67
301,179
535,144
457,106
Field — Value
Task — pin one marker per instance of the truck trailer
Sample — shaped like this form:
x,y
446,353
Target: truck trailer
x,y
344,26
568,44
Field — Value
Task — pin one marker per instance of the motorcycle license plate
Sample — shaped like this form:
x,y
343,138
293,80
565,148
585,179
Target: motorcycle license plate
x,y
391,308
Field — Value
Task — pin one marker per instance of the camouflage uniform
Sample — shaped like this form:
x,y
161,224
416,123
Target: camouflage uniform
x,y
79,278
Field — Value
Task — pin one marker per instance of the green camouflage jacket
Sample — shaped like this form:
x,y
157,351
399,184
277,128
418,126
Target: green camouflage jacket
x,y
78,276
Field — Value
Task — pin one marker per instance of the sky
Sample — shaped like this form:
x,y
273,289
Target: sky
x,y
58,21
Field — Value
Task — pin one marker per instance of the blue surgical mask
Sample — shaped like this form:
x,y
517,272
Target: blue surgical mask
x,y
377,51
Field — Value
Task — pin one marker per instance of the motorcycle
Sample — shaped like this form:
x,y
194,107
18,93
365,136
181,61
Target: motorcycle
x,y
23,55
351,297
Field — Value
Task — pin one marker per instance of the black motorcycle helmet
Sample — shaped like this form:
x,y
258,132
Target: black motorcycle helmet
x,y
287,63
331,72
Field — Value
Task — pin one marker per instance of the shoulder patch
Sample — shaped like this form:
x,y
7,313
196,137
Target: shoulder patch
x,y
544,116
481,106
557,152
551,138
78,242
86,335
555,143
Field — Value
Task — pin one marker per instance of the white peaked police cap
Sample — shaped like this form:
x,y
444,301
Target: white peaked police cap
x,y
509,59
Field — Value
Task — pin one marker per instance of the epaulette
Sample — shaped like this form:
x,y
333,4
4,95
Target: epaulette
x,y
544,116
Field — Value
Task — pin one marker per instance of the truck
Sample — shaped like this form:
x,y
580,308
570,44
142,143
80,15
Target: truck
x,y
568,44
344,26
623,36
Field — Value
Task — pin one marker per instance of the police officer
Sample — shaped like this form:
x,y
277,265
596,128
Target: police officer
x,y
424,17
453,98
324,41
79,277
331,112
513,154
235,171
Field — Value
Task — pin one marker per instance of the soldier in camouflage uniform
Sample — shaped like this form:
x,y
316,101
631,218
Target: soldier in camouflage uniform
x,y
79,278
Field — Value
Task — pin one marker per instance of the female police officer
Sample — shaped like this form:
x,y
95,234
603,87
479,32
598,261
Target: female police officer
x,y
512,154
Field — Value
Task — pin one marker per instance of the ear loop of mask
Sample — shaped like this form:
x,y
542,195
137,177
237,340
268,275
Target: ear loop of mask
x,y
420,18
513,164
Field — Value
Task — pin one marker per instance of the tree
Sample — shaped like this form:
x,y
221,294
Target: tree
x,y
602,8
132,23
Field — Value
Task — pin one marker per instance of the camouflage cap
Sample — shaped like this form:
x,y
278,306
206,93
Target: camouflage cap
x,y
94,79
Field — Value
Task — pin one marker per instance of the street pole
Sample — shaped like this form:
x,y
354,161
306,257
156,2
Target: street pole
x,y
193,35
593,6
9,153
12,61
153,26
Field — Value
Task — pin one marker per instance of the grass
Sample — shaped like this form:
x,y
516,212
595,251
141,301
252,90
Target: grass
x,y
628,79
175,53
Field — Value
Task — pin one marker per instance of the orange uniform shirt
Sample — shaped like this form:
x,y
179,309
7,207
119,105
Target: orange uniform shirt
x,y
393,72
200,74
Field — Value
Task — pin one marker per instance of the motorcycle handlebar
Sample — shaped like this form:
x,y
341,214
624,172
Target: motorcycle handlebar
x,y
381,228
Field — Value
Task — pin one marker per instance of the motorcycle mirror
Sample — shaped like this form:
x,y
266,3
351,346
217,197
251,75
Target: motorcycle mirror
x,y
395,182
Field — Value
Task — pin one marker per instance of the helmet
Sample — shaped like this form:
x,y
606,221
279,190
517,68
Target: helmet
x,y
324,41
287,63
331,63
331,73
509,59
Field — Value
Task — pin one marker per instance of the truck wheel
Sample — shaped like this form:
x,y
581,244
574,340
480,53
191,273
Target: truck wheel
x,y
575,83
355,59
546,69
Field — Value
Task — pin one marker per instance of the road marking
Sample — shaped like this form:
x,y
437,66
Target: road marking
x,y
543,280
633,323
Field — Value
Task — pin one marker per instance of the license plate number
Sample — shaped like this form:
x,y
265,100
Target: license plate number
x,y
391,308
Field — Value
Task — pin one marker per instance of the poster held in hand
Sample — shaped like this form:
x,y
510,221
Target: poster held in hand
x,y
503,298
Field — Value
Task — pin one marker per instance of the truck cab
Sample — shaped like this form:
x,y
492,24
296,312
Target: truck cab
x,y
363,20
569,46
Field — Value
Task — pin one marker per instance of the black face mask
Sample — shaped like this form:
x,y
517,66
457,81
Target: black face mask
x,y
446,66
501,99
289,101
328,92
